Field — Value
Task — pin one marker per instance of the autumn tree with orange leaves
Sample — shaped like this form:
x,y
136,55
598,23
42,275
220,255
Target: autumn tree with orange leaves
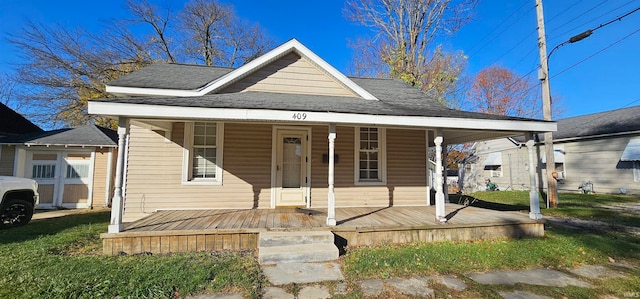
x,y
498,90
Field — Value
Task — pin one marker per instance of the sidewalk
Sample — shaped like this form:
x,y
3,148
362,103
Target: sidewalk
x,y
420,287
48,214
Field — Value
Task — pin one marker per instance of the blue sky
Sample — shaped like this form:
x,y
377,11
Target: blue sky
x,y
501,32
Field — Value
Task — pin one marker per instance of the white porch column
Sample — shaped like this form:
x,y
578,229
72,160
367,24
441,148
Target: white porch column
x,y
440,211
331,204
534,202
445,182
117,203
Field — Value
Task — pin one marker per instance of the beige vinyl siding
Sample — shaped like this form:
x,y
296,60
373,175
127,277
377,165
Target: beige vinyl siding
x,y
406,170
7,155
154,174
291,74
407,167
100,171
596,160
154,177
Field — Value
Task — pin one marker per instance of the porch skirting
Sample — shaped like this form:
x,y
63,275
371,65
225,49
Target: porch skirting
x,y
233,230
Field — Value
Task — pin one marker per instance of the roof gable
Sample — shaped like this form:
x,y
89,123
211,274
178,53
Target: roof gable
x,y
219,84
291,73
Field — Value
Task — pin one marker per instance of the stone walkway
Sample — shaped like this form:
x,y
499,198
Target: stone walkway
x,y
419,286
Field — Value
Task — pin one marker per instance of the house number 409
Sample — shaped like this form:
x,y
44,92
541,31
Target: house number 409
x,y
299,116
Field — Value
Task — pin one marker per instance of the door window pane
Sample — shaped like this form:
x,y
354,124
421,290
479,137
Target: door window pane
x,y
43,171
291,162
77,171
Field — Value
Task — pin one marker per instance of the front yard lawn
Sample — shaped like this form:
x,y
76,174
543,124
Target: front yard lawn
x,y
60,258
592,207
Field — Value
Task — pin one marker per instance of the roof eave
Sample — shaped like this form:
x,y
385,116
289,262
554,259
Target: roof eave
x,y
243,114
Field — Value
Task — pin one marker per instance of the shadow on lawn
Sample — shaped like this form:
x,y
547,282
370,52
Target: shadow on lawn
x,y
46,227
479,203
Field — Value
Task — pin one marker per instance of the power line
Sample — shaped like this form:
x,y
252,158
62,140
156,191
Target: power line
x,y
615,20
596,53
587,33
605,114
582,14
514,47
498,26
560,13
471,53
585,23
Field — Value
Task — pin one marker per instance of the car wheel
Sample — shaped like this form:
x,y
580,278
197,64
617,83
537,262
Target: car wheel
x,y
16,212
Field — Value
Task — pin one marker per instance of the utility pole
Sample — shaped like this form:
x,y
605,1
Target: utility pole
x,y
543,75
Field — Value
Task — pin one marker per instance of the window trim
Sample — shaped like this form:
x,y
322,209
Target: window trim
x,y
382,155
187,161
636,171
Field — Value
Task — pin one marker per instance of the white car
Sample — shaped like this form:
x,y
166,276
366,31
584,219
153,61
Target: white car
x,y
19,197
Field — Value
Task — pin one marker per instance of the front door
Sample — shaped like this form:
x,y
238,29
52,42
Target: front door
x,y
291,168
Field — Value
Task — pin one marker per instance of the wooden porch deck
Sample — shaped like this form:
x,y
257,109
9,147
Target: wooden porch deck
x,y
214,230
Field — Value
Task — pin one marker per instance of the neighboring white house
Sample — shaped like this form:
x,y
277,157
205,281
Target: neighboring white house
x,y
73,166
597,152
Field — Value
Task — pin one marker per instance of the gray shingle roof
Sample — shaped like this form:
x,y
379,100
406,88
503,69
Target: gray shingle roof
x,y
396,97
12,123
171,76
89,135
602,123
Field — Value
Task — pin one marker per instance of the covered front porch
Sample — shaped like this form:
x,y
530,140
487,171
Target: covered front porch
x,y
216,230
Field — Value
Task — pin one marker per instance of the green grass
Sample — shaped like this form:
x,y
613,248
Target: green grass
x,y
560,249
60,258
577,205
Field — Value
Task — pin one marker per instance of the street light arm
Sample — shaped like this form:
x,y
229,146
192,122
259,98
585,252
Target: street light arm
x,y
573,39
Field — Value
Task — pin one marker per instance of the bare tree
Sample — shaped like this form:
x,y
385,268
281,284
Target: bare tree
x,y
245,42
7,88
498,90
63,68
214,35
144,12
203,22
404,35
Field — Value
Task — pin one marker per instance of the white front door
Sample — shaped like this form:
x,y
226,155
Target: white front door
x,y
291,167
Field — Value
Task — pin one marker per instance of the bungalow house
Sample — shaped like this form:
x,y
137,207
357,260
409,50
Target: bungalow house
x,y
284,130
73,167
597,152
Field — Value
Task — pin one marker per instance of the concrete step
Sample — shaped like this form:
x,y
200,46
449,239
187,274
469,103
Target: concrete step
x,y
271,239
297,253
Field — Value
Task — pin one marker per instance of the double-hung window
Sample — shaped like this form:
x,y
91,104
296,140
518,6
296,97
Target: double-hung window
x,y
203,153
370,155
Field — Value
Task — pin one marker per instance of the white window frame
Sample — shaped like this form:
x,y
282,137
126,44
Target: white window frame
x,y
187,160
382,156
636,171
